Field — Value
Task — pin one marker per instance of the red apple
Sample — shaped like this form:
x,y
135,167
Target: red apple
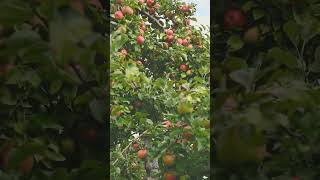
x,y
118,15
167,124
26,165
169,32
185,42
185,8
184,67
140,40
150,2
135,146
187,22
179,41
169,176
127,10
142,154
169,38
190,46
234,18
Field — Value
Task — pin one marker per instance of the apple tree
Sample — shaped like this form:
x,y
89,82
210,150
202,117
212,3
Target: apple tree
x,y
159,122
266,89
53,77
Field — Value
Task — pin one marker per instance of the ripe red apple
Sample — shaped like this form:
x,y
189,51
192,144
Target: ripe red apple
x,y
118,15
169,38
139,63
187,22
234,18
127,10
190,46
135,146
168,159
179,41
140,40
26,165
169,176
184,67
141,2
142,153
185,8
169,32
150,2
185,42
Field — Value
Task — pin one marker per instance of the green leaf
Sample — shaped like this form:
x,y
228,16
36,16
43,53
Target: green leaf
x,y
283,57
258,13
292,30
98,109
245,77
14,12
55,86
235,43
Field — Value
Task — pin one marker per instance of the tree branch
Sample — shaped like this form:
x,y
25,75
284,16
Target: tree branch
x,y
152,18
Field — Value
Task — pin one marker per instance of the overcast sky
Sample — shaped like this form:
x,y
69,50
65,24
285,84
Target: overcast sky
x,y
203,11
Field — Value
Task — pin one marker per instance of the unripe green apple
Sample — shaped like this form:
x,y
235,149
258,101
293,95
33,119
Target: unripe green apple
x,y
251,35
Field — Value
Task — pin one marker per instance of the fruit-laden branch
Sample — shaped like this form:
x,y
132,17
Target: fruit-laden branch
x,y
127,147
153,19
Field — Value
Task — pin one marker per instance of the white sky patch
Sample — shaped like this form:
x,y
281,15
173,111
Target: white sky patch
x,y
203,12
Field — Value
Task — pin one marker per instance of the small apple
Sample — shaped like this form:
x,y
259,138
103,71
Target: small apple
x,y
5,69
140,40
169,38
118,15
187,22
190,46
142,153
179,41
169,32
150,2
127,10
169,176
189,72
184,67
168,159
234,18
251,35
135,146
168,13
185,42
90,135
122,29
185,8
295,178
26,165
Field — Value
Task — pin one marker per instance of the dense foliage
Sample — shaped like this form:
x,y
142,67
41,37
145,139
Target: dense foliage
x,y
160,91
266,89
52,90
